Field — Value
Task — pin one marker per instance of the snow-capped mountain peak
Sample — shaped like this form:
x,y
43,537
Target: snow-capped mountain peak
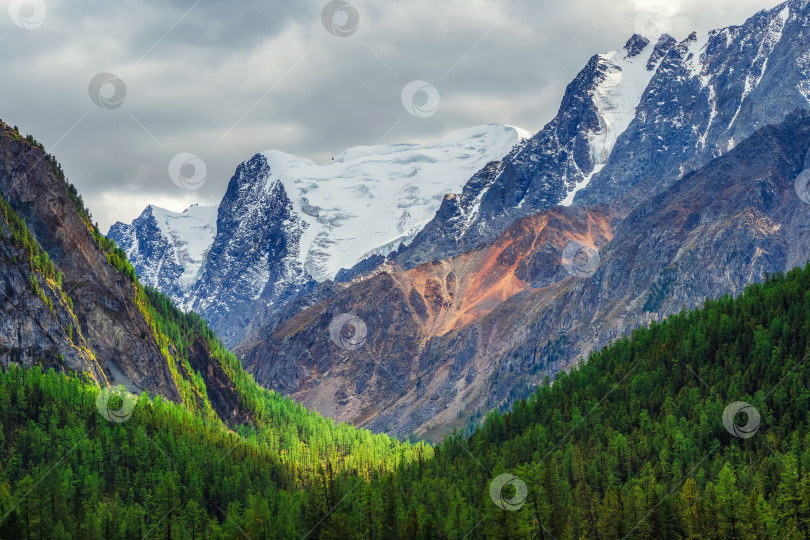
x,y
191,233
370,199
625,75
633,122
167,248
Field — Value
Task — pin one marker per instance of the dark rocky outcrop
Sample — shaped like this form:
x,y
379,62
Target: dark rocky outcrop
x,y
103,298
98,321
30,332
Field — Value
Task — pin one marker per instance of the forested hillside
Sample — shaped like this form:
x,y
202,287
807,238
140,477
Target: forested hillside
x,y
80,459
631,444
695,427
160,471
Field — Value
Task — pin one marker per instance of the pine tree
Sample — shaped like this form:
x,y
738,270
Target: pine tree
x,y
694,514
792,507
730,503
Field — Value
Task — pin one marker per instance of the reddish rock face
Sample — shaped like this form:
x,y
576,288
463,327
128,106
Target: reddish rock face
x,y
406,311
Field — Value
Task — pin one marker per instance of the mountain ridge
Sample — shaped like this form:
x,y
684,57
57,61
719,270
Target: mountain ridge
x,y
669,119
287,223
683,247
657,147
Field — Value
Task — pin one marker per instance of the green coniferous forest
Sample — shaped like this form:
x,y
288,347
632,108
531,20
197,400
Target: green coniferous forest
x,y
631,444
637,442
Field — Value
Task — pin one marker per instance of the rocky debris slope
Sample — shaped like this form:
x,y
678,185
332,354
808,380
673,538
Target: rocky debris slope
x,y
403,311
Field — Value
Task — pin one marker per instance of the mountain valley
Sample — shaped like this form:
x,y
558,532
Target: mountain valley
x,y
597,330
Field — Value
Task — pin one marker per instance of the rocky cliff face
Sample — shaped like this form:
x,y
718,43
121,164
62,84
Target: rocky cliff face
x,y
447,339
82,314
31,331
108,318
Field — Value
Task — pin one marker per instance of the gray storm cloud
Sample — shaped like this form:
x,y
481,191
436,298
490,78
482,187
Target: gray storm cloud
x,y
222,81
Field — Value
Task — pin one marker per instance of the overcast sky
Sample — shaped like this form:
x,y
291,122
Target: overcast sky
x,y
224,80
